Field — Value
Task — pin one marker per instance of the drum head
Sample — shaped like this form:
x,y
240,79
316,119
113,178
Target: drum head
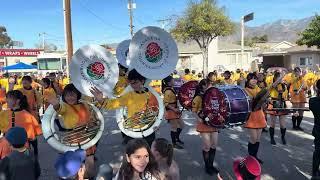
x,y
93,65
153,53
214,104
122,52
186,94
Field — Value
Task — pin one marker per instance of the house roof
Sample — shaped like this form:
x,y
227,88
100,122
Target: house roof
x,y
304,48
192,47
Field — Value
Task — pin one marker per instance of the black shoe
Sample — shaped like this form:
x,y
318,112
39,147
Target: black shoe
x,y
177,146
215,170
206,159
180,142
299,128
273,142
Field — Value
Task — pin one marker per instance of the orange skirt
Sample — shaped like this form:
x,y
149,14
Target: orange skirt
x,y
300,98
256,120
171,115
275,113
203,128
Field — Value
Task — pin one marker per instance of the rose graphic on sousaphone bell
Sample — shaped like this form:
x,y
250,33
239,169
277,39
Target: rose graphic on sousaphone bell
x,y
96,70
153,52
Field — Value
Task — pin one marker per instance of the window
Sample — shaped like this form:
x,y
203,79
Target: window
x,y
231,58
244,60
305,61
49,64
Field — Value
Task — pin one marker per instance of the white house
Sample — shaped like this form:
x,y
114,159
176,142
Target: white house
x,y
222,55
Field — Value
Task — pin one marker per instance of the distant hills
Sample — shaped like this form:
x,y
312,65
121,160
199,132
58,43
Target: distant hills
x,y
280,30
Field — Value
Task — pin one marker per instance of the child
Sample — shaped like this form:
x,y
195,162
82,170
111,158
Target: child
x,y
20,164
70,165
138,162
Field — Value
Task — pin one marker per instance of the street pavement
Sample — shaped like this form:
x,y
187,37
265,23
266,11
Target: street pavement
x,y
292,161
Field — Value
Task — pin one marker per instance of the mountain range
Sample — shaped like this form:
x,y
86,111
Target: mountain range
x,y
280,30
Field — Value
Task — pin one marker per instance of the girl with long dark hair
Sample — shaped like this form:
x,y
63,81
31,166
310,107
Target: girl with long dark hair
x,y
138,162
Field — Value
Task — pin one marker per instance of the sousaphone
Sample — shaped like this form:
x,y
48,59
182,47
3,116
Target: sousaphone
x,y
154,54
91,65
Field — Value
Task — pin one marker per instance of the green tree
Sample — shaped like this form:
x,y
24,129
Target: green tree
x,y
202,22
311,35
5,40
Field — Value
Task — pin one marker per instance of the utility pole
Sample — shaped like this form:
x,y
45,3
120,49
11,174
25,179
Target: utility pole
x,y
68,32
131,6
244,19
43,40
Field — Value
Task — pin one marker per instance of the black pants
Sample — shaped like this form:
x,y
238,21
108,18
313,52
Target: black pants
x,y
149,138
316,156
34,145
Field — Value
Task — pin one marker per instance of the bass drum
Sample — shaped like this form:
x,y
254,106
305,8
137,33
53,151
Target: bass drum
x,y
229,101
186,94
144,123
84,136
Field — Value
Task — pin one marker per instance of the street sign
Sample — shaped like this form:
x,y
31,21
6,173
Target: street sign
x,y
248,17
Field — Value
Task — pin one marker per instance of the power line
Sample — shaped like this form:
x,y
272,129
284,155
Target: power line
x,y
98,17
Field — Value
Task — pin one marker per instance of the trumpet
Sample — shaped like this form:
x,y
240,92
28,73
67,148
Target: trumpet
x,y
143,119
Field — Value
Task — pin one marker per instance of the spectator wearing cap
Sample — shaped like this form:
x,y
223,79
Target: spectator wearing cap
x,y
71,165
247,168
20,163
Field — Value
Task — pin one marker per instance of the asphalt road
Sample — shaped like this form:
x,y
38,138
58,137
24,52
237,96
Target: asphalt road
x,y
291,161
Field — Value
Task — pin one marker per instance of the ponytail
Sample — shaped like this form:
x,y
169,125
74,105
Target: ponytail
x,y
165,149
17,95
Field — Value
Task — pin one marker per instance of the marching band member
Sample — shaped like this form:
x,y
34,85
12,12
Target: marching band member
x,y
314,104
256,121
278,96
136,101
172,113
175,74
33,96
227,78
298,97
122,81
55,84
208,134
47,92
74,113
187,76
18,115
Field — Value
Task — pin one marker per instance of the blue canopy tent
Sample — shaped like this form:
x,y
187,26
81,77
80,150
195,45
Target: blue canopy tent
x,y
19,66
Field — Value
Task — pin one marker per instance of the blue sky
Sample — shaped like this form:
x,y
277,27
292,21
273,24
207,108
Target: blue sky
x,y
106,21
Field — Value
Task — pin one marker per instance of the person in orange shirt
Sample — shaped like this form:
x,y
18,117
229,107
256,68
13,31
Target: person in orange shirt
x,y
208,134
5,149
18,115
256,121
47,92
55,84
298,97
172,113
33,96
